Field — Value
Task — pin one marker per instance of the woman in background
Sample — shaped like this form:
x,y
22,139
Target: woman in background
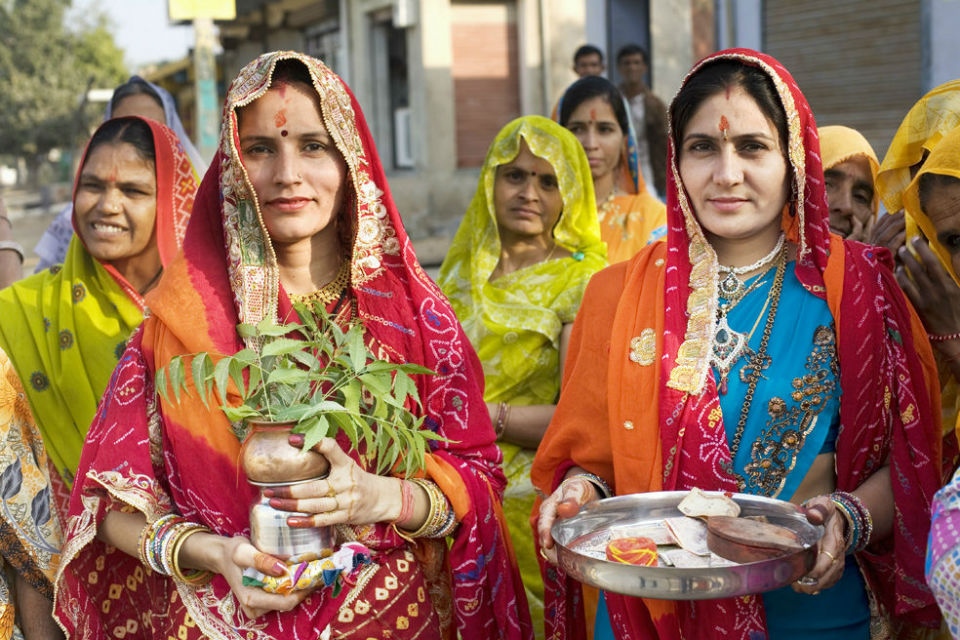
x,y
135,97
932,200
593,109
63,331
515,273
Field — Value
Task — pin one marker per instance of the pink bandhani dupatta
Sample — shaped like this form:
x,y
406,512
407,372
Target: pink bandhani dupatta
x,y
184,457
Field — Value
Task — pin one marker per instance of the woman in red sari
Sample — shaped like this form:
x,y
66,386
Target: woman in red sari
x,y
295,206
754,352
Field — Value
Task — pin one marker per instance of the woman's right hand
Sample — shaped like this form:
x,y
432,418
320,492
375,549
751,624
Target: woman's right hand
x,y
574,492
231,556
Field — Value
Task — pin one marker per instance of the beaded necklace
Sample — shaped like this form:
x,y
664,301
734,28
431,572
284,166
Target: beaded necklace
x,y
731,285
330,292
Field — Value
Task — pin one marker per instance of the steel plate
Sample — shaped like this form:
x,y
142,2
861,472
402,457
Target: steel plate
x,y
581,543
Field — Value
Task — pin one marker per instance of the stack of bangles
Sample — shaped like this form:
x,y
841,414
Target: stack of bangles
x,y
441,519
859,522
160,544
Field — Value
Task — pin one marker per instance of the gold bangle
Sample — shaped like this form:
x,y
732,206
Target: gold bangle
x,y
438,513
194,577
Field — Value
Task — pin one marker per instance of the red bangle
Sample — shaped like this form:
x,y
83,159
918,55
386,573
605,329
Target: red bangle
x,y
943,337
406,501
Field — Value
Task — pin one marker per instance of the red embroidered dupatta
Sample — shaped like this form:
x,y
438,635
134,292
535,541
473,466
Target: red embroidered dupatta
x,y
185,457
664,425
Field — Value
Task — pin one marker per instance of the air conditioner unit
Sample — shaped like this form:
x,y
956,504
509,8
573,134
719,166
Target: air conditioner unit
x,y
404,13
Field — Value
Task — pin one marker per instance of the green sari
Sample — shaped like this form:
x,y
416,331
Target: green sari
x,y
514,322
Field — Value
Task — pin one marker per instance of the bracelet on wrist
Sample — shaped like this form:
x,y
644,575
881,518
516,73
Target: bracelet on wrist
x,y
500,425
10,245
943,337
599,484
859,520
441,520
406,501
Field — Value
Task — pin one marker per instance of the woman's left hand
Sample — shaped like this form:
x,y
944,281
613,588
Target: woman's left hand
x,y
930,287
832,549
348,495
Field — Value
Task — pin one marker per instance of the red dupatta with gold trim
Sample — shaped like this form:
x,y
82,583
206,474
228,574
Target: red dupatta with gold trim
x,y
185,457
664,426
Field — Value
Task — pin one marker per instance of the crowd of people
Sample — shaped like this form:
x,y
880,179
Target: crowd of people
x,y
639,298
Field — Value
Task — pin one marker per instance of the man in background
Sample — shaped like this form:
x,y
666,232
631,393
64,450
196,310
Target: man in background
x,y
850,170
649,116
588,61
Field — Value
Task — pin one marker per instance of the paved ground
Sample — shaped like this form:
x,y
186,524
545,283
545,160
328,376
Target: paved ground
x,y
29,221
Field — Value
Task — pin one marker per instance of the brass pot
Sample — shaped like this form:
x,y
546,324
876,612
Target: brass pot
x,y
268,458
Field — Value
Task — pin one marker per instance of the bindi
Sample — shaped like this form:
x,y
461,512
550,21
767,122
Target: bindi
x,y
280,118
283,133
724,126
593,115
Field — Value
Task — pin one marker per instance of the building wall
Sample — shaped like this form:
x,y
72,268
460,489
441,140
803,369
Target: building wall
x,y
864,70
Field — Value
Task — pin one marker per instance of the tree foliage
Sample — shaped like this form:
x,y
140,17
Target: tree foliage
x,y
46,68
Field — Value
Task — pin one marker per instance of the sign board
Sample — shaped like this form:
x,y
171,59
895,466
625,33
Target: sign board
x,y
192,9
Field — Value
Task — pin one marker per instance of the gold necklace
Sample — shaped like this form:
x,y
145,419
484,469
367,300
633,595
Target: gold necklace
x,y
604,208
330,292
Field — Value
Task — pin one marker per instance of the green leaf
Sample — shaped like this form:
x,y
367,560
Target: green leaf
x,y
282,346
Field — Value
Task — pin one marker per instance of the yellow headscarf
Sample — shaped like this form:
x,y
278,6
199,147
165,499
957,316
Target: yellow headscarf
x,y
933,115
943,160
839,144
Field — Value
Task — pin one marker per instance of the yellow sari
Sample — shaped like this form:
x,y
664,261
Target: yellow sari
x,y
514,322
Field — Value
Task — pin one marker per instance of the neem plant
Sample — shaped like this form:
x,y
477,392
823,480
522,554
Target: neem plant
x,y
319,375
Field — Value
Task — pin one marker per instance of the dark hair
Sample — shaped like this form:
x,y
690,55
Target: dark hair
x,y
721,75
594,87
131,130
930,181
587,50
291,70
632,49
132,87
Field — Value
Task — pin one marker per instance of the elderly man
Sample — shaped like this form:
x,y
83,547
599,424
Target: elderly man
x,y
850,171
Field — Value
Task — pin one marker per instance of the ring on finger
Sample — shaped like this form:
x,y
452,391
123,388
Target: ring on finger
x,y
833,558
543,554
336,503
807,581
330,492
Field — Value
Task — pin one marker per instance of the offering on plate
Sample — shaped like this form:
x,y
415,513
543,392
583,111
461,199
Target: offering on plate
x,y
699,504
639,551
750,540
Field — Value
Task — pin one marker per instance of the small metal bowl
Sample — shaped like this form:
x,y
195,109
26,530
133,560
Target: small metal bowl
x,y
581,542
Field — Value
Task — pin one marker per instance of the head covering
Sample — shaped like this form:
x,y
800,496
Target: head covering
x,y
172,120
227,273
65,328
631,178
659,387
475,249
943,160
839,144
932,116
52,246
